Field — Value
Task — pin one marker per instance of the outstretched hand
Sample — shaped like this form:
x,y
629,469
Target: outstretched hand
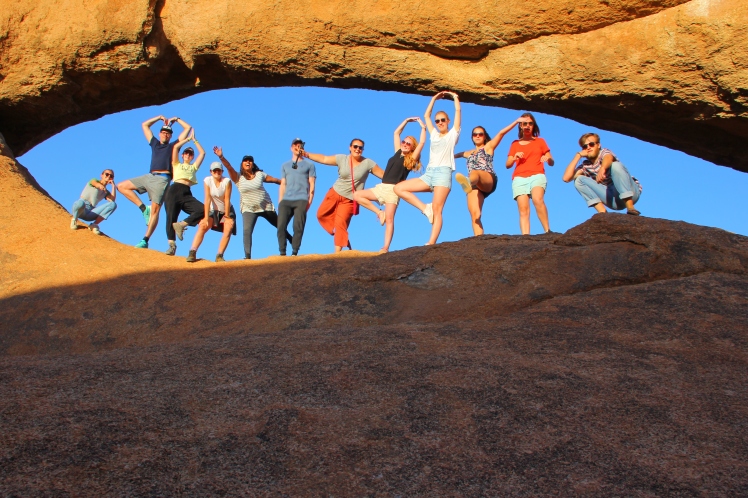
x,y
218,151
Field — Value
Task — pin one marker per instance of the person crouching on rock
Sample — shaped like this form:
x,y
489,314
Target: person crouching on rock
x,y
481,180
406,159
336,210
601,179
219,213
529,153
438,175
178,196
254,199
94,192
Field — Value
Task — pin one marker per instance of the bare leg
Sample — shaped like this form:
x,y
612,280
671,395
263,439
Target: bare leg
x,y
600,207
537,199
481,180
228,226
202,227
523,204
127,189
365,198
475,206
405,190
389,227
440,198
153,222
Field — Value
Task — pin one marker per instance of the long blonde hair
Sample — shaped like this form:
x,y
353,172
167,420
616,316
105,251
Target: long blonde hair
x,y
410,163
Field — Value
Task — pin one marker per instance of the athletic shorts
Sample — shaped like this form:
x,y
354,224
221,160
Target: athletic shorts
x,y
524,186
439,176
385,193
154,184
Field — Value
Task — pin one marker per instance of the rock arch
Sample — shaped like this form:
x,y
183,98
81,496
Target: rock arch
x,y
669,72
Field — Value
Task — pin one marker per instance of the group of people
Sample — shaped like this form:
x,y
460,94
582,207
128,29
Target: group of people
x,y
600,178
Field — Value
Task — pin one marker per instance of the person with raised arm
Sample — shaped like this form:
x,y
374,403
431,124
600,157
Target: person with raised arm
x,y
601,179
438,175
254,199
219,214
406,159
481,180
87,208
529,154
336,210
295,196
156,181
179,196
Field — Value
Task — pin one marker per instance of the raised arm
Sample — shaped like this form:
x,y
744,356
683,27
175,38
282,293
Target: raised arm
x,y
232,172
176,149
186,127
399,130
200,150
421,140
430,109
319,158
494,142
458,110
271,179
150,122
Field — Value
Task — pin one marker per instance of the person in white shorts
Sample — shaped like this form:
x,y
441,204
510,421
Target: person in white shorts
x,y
219,213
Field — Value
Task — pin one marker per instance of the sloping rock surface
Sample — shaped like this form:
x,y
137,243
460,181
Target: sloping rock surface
x,y
671,72
609,360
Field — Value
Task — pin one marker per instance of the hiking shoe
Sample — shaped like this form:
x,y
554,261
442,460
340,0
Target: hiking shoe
x,y
147,215
219,258
633,212
73,224
429,212
192,257
179,230
143,244
172,250
464,183
94,228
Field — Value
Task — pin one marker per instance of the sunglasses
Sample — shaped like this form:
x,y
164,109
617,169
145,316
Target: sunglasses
x,y
526,125
216,171
440,120
588,145
479,134
357,147
405,142
109,175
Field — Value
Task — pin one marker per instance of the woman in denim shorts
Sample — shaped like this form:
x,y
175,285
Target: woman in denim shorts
x,y
438,175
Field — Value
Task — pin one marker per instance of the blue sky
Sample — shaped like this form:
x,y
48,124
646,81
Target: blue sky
x,y
263,121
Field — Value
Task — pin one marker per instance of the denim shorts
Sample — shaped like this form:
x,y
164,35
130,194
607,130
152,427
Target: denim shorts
x,y
439,176
524,186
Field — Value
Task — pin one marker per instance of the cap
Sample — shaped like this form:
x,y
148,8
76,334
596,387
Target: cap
x,y
188,149
248,158
216,165
297,141
167,128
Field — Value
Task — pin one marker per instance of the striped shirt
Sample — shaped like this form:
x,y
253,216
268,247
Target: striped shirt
x,y
254,197
591,169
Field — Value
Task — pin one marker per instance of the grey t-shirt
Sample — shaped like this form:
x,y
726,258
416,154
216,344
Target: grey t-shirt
x,y
92,194
360,173
297,180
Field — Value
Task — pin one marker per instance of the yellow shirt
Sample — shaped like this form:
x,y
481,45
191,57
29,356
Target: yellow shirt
x,y
184,171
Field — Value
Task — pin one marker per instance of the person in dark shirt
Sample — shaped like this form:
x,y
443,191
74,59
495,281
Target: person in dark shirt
x,y
406,159
156,181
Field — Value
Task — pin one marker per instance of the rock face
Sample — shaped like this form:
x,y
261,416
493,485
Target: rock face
x,y
669,72
609,360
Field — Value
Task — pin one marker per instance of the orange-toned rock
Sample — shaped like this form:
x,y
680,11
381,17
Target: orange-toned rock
x,y
669,72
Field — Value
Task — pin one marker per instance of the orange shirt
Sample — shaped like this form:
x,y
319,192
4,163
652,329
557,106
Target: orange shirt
x,y
531,163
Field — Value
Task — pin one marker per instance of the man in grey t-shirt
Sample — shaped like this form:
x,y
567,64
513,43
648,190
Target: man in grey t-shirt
x,y
295,196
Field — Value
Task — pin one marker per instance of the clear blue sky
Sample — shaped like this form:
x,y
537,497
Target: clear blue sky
x,y
263,121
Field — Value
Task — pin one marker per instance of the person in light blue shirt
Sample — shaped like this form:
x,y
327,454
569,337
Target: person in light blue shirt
x,y
296,193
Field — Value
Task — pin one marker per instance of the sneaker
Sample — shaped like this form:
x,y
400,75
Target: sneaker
x,y
143,244
147,215
172,250
633,212
464,183
219,258
192,257
94,228
429,212
73,224
179,230
382,217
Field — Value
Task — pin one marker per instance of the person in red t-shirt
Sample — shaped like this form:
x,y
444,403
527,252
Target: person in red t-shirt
x,y
528,180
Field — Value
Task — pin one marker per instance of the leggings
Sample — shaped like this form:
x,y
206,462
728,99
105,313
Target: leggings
x,y
178,197
249,226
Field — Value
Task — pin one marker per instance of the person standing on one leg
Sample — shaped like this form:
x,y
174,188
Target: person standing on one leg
x,y
179,196
529,153
157,180
254,199
438,176
94,192
219,213
481,180
601,179
406,159
295,196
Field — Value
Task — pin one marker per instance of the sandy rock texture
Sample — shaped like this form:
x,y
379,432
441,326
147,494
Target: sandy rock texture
x,y
671,72
607,361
